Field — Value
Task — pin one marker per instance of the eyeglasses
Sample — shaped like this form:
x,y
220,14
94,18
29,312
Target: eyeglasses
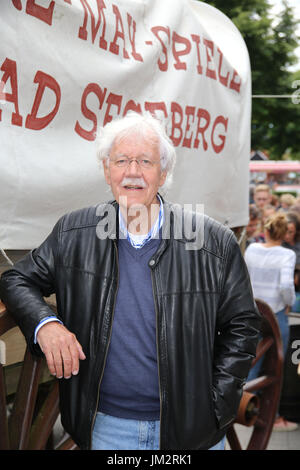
x,y
124,162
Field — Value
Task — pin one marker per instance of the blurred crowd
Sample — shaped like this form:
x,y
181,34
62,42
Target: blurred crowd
x,y
272,256
263,204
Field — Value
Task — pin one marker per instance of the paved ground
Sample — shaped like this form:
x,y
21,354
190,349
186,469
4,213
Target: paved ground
x,y
278,441
285,440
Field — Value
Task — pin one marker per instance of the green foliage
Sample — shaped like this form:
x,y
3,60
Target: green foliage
x,y
271,49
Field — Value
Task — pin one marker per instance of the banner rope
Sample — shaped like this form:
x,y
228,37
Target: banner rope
x,y
6,257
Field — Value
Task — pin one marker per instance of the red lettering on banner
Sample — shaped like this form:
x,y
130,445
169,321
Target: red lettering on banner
x,y
17,4
82,34
235,85
180,46
196,40
180,135
219,120
189,111
153,107
176,38
44,81
135,54
209,55
91,88
202,113
114,48
9,67
223,80
132,106
112,100
198,122
42,13
163,66
176,124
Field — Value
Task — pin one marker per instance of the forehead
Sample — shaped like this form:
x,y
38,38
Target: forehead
x,y
262,195
135,143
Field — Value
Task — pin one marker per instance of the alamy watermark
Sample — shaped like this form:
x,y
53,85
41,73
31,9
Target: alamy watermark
x,y
184,222
296,354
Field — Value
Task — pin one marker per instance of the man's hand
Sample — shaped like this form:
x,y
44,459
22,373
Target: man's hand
x,y
61,348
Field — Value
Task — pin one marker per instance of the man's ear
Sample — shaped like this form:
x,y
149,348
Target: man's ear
x,y
162,178
106,171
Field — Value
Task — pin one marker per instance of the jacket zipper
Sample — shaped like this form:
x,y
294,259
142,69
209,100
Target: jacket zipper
x,y
157,352
110,333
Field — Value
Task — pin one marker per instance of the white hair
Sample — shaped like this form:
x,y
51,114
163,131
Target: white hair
x,y
135,123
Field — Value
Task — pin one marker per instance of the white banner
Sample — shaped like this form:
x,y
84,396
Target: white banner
x,y
68,66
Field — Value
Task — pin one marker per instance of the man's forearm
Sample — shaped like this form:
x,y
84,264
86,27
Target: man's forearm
x,y
25,303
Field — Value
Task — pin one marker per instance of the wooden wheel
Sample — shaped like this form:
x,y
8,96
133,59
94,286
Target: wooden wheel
x,y
261,395
31,421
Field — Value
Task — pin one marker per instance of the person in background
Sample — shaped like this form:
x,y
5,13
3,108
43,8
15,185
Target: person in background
x,y
286,201
252,227
266,212
271,269
292,236
275,201
262,199
263,215
262,196
295,208
292,241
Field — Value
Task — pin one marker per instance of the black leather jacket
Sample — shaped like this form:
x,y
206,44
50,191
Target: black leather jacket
x,y
207,320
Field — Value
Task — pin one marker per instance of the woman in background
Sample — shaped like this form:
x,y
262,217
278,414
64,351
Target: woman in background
x,y
271,268
292,241
292,236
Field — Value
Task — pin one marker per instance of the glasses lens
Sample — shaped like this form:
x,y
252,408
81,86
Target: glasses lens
x,y
124,162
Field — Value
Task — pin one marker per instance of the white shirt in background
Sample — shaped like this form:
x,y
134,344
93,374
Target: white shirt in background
x,y
271,272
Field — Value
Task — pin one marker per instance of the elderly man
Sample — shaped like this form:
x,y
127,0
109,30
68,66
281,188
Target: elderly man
x,y
158,326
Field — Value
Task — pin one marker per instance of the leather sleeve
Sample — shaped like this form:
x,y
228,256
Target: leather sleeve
x,y
24,286
238,325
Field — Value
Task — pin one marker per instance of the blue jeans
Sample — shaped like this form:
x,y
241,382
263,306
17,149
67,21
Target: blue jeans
x,y
111,433
283,323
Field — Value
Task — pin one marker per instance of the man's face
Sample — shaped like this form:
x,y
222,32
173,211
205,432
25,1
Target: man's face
x,y
133,182
262,198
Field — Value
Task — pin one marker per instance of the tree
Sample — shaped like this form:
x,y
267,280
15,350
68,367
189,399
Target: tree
x,y
272,53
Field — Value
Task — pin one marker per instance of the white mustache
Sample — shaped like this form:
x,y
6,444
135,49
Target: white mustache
x,y
134,182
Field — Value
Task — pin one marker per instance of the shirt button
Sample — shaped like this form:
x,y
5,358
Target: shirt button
x,y
152,262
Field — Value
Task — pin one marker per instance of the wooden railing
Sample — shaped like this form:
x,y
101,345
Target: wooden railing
x,y
30,423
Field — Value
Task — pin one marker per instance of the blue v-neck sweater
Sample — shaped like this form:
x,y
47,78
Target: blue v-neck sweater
x,y
129,388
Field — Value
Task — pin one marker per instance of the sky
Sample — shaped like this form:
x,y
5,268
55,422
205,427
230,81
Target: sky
x,y
276,10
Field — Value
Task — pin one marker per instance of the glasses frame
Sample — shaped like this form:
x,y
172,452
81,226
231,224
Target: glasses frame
x,y
143,162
